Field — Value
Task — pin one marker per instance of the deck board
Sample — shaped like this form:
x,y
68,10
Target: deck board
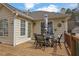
x,y
27,49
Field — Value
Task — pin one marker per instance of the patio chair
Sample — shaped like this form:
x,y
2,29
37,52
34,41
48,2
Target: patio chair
x,y
36,41
39,41
59,38
57,41
49,40
34,37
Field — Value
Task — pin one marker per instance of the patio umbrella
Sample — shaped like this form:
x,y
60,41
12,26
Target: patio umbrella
x,y
46,22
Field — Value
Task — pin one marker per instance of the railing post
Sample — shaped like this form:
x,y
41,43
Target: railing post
x,y
73,46
64,37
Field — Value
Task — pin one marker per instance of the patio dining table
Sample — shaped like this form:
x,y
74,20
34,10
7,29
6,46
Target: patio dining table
x,y
49,40
44,40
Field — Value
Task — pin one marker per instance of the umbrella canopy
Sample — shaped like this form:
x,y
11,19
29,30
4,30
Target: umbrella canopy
x,y
46,22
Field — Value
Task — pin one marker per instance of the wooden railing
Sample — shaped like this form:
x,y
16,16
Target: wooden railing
x,y
71,44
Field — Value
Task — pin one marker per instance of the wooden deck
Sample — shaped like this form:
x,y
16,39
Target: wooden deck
x,y
27,49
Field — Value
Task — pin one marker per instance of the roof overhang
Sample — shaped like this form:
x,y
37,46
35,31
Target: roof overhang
x,y
55,18
17,12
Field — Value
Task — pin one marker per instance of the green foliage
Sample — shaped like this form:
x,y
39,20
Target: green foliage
x,y
73,13
68,11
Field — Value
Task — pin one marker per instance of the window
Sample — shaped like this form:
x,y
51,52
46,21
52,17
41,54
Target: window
x,y
4,27
42,27
22,27
29,29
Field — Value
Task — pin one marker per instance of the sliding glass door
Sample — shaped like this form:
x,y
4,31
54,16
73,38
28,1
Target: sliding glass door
x,y
49,28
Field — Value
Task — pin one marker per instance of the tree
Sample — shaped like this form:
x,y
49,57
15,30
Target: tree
x,y
68,11
63,10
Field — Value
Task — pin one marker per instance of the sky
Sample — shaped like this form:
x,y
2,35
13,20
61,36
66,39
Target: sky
x,y
51,7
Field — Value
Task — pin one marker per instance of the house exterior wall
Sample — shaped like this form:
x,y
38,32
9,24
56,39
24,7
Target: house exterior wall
x,y
6,14
17,37
14,24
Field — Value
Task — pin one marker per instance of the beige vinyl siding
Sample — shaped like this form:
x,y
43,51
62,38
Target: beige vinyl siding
x,y
17,37
6,14
37,28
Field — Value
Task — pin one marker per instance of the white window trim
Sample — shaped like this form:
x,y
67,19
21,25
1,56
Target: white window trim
x,y
4,27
